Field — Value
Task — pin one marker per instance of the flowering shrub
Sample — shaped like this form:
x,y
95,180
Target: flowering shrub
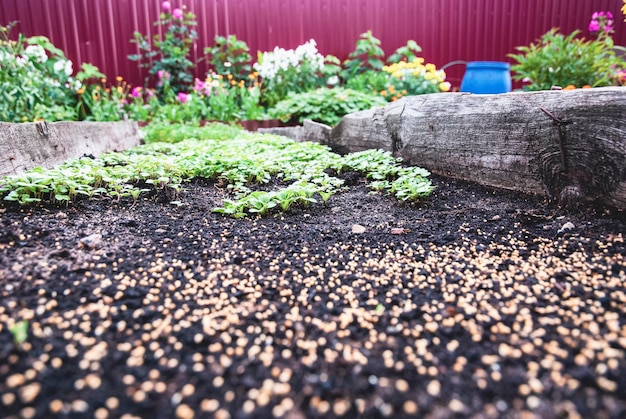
x,y
558,60
227,99
167,56
601,24
36,80
414,78
284,71
99,102
229,55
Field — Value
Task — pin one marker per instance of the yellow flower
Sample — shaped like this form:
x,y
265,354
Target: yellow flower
x,y
397,74
229,77
429,76
431,67
383,93
251,76
119,89
119,78
81,91
392,89
445,86
418,60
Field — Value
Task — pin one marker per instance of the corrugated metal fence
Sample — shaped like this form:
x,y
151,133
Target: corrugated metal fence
x,y
99,31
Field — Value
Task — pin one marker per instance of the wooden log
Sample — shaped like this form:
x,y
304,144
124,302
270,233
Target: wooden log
x,y
568,145
47,144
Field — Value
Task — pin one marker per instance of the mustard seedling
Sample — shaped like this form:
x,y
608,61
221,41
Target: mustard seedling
x,y
19,331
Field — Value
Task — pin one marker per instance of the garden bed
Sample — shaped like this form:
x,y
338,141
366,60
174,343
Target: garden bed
x,y
473,302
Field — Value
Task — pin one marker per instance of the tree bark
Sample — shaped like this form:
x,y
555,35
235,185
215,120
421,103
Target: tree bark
x,y
567,145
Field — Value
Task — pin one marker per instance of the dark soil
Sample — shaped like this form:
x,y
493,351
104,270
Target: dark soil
x,y
473,303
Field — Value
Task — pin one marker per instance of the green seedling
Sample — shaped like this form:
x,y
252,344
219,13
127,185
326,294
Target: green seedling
x,y
19,331
239,162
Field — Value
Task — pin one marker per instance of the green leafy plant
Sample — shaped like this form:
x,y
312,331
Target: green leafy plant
x,y
405,53
324,105
167,56
558,60
36,80
100,102
370,81
258,174
19,331
229,55
289,71
226,99
367,55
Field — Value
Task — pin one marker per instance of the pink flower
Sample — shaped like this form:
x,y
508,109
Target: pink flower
x,y
162,74
177,14
594,26
182,97
166,5
136,92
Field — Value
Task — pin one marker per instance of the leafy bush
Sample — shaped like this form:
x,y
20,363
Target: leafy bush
x,y
167,57
324,105
229,55
558,60
367,55
35,80
370,81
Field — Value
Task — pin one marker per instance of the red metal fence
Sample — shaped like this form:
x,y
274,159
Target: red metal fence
x,y
99,31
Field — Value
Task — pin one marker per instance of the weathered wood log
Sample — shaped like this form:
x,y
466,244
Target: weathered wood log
x,y
46,144
567,145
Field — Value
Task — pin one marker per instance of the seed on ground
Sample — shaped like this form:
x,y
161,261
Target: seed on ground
x,y
209,405
410,407
29,392
28,412
101,413
183,411
112,403
80,406
434,388
8,399
55,406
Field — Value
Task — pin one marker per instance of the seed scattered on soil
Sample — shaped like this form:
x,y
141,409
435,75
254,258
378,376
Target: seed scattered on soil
x,y
478,307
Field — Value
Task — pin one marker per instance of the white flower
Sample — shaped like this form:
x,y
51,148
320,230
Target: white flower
x,y
37,52
58,66
64,66
69,68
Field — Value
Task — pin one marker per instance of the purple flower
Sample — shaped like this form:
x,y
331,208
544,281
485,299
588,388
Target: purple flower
x,y
594,26
182,97
166,5
136,92
177,14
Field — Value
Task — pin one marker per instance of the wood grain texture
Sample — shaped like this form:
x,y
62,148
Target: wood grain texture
x,y
47,144
568,145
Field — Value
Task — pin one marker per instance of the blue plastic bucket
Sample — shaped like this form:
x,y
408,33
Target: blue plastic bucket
x,y
487,77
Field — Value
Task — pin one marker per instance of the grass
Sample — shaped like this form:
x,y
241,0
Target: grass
x,y
263,173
